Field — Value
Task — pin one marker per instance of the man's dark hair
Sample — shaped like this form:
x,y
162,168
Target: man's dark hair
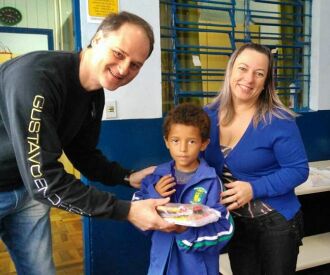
x,y
114,21
188,114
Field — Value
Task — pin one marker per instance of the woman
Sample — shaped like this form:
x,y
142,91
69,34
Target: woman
x,y
257,150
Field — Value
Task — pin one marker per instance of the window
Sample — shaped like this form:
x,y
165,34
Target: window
x,y
197,38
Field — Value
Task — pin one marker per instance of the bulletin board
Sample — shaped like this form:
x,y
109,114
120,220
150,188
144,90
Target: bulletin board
x,y
18,41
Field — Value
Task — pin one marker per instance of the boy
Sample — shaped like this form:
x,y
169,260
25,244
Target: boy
x,y
187,179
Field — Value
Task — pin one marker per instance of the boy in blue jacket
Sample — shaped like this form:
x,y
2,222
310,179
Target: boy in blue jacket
x,y
187,179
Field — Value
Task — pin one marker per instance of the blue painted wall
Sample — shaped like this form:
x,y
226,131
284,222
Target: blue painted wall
x,y
315,131
117,248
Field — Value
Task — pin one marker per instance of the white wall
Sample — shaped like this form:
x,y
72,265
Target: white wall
x,y
44,14
23,43
320,62
142,97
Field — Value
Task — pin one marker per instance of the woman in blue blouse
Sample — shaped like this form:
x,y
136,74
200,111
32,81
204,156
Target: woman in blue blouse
x,y
258,152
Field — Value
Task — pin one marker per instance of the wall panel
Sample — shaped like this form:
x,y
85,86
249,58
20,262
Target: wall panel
x,y
46,14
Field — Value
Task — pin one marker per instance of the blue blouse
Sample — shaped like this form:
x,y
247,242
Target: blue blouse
x,y
271,157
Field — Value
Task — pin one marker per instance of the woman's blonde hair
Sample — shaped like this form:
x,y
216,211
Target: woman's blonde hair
x,y
268,103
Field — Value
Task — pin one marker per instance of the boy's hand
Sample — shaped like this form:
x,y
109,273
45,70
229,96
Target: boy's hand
x,y
180,228
165,186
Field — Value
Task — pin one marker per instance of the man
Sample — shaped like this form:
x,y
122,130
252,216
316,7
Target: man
x,y
52,102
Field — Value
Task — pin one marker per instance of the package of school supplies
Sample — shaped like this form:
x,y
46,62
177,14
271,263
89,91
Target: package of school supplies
x,y
194,215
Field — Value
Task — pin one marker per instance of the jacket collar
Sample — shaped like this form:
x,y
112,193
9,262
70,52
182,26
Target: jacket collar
x,y
204,171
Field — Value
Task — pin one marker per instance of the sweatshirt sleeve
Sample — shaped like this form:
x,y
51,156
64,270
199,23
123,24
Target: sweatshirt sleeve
x,y
85,156
213,236
30,110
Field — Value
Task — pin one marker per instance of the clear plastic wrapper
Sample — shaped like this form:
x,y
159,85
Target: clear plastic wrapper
x,y
194,215
319,176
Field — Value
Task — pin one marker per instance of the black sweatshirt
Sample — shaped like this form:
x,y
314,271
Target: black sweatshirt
x,y
44,111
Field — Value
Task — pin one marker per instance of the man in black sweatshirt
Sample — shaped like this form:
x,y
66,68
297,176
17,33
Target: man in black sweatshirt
x,y
52,102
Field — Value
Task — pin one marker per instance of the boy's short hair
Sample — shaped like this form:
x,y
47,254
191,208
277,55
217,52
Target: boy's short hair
x,y
188,114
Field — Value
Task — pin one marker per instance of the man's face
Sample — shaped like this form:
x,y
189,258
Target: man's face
x,y
118,56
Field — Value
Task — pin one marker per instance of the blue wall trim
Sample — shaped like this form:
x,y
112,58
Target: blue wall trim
x,y
47,32
117,248
76,25
315,131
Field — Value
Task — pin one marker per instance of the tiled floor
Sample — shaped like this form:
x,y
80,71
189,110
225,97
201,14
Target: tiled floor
x,y
67,245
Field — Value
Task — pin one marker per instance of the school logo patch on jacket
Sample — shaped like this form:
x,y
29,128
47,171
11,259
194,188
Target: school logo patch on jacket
x,y
199,194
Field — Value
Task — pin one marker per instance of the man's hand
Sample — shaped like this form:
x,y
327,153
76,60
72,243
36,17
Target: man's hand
x,y
165,185
136,177
143,215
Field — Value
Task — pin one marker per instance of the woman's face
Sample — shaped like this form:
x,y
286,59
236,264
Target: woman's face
x,y
248,76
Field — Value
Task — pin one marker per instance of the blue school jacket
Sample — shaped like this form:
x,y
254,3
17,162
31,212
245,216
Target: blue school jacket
x,y
195,251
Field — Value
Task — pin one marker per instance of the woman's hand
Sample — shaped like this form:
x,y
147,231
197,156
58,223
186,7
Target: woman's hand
x,y
237,194
165,186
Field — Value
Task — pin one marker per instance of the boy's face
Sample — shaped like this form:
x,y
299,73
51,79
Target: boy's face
x,y
184,143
